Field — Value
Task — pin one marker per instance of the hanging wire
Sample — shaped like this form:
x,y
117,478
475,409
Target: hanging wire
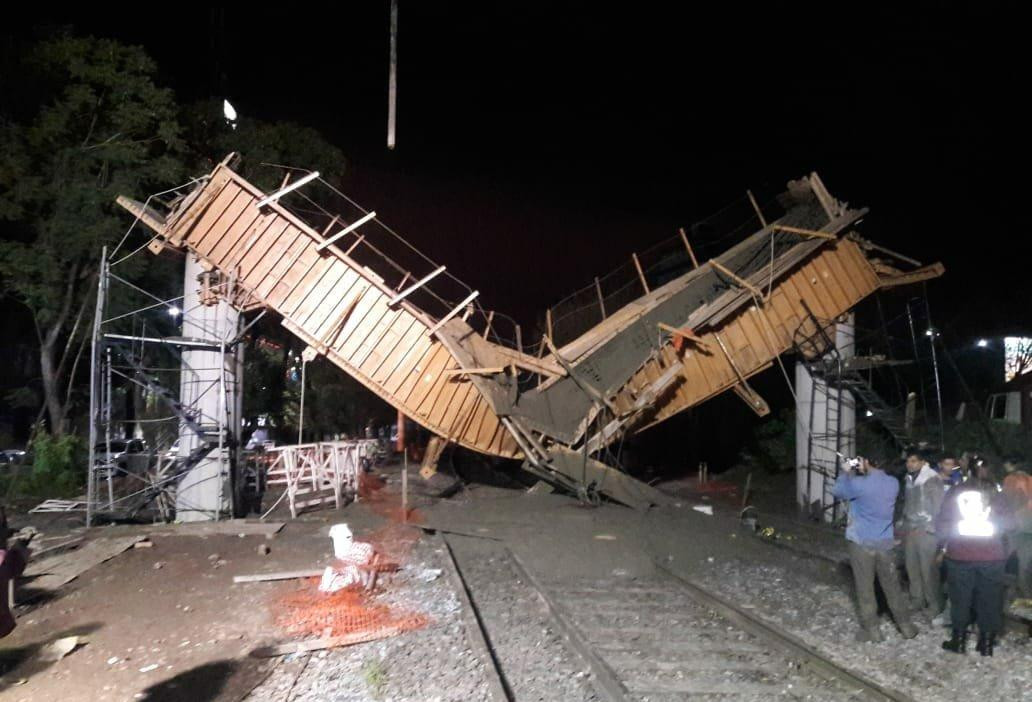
x,y
136,219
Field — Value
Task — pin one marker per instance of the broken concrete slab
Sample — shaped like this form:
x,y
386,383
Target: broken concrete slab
x,y
614,484
540,488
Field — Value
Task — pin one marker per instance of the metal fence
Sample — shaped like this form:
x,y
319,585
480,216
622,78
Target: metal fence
x,y
655,266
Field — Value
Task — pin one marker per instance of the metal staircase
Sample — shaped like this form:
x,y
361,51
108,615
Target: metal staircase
x,y
825,362
839,387
843,375
169,472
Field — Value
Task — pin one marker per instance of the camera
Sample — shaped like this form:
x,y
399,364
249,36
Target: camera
x,y
856,465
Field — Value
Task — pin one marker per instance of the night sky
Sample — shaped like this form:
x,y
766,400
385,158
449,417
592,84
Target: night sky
x,y
539,146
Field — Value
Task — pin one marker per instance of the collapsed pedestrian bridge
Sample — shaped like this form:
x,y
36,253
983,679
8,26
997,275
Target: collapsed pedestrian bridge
x,y
659,336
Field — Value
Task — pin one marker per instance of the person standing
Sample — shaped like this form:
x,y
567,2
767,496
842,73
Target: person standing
x,y
972,522
871,495
13,558
1017,488
922,499
950,472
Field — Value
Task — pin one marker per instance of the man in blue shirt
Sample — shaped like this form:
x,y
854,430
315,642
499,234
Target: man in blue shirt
x,y
871,495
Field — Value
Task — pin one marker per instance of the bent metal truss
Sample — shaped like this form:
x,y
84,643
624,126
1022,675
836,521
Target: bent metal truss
x,y
687,330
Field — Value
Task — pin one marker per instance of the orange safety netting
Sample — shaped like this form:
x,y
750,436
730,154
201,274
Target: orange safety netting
x,y
307,611
303,610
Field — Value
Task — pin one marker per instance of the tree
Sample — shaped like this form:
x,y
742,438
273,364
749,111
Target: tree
x,y
103,127
1017,356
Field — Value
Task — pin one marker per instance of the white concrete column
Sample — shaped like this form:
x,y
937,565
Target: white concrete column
x,y
803,427
845,335
817,426
210,385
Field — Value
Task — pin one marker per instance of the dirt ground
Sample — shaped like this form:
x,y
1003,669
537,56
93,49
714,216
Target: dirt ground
x,y
182,630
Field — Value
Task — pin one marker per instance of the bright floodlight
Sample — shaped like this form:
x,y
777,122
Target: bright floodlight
x,y
230,113
870,413
929,332
174,311
982,343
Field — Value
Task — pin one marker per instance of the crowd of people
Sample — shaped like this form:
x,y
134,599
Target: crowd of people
x,y
961,517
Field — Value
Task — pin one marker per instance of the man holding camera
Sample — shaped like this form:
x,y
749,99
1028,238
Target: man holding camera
x,y
871,495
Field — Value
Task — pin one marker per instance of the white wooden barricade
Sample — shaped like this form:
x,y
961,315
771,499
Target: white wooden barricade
x,y
327,471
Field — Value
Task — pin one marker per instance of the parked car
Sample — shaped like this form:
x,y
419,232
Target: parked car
x,y
173,451
126,456
14,457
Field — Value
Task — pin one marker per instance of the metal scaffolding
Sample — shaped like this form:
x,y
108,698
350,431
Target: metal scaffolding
x,y
836,389
165,377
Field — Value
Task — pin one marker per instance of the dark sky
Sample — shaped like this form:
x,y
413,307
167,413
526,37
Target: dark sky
x,y
539,144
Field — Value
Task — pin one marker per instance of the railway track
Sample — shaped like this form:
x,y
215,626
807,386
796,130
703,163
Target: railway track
x,y
661,638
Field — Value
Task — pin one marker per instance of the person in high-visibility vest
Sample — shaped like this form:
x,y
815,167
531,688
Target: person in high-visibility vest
x,y
972,523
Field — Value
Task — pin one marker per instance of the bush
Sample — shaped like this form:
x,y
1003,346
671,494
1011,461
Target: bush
x,y
772,444
58,467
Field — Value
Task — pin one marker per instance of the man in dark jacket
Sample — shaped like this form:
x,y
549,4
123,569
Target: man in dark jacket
x,y
972,523
922,498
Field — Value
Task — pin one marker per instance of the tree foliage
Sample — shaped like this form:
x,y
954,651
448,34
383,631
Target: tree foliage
x,y
102,127
85,120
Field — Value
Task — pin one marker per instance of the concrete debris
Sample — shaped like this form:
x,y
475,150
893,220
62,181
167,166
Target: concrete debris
x,y
263,549
144,544
158,565
540,488
149,668
56,650
429,575
705,509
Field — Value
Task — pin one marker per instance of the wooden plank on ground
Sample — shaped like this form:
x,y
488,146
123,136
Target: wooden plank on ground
x,y
282,575
226,526
48,574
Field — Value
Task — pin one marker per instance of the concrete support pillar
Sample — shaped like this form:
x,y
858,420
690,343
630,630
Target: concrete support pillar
x,y
210,385
825,428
